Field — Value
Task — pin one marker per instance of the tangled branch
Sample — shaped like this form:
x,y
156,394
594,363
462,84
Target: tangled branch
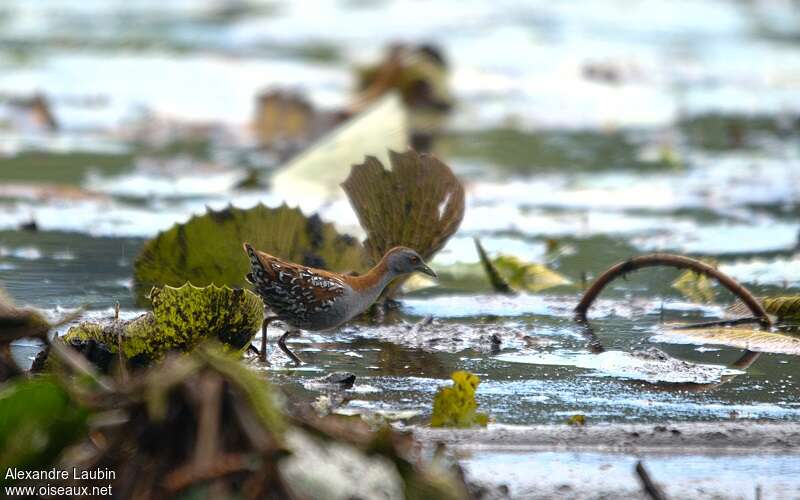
x,y
676,261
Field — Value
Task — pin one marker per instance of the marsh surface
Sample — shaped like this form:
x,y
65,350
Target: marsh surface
x,y
612,128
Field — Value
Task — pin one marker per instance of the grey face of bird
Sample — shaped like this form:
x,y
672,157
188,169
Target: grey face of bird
x,y
401,260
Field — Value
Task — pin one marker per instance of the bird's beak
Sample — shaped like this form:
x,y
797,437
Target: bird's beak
x,y
427,270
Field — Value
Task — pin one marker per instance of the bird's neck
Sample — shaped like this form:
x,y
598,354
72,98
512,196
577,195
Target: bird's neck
x,y
375,280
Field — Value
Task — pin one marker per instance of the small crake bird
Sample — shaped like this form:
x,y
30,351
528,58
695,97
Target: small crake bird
x,y
312,299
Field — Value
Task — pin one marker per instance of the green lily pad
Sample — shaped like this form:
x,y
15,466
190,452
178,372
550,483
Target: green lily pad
x,y
181,319
509,274
208,248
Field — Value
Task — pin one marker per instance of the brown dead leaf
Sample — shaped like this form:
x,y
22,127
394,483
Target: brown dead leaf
x,y
419,203
283,117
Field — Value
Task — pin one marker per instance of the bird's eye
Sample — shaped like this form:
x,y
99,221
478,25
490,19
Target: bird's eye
x,y
415,260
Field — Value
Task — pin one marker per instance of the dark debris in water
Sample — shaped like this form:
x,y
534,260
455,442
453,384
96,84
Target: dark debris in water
x,y
334,381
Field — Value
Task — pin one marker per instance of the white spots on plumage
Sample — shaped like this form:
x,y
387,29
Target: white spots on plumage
x,y
296,294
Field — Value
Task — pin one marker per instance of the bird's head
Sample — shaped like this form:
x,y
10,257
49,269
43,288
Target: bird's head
x,y
403,260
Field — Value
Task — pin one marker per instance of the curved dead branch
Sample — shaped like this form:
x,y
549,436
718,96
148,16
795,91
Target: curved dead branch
x,y
676,261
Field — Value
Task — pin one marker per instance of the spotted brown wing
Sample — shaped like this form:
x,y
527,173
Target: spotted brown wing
x,y
291,291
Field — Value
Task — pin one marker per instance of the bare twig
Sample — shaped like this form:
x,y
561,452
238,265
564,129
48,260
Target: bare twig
x,y
123,368
650,488
676,261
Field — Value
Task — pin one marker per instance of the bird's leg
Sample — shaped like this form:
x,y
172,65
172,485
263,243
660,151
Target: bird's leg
x,y
262,354
282,345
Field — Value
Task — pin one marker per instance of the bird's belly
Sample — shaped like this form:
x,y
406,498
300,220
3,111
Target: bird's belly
x,y
343,309
318,322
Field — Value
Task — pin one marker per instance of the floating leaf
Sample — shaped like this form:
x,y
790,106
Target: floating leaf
x,y
531,277
419,75
696,287
317,172
208,249
37,421
752,339
785,308
418,204
181,319
283,119
455,406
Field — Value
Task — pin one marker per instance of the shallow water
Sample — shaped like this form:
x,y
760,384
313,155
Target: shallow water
x,y
691,146
610,475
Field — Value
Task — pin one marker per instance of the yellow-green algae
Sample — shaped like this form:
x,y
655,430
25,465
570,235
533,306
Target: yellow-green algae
x,y
455,406
181,319
208,248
